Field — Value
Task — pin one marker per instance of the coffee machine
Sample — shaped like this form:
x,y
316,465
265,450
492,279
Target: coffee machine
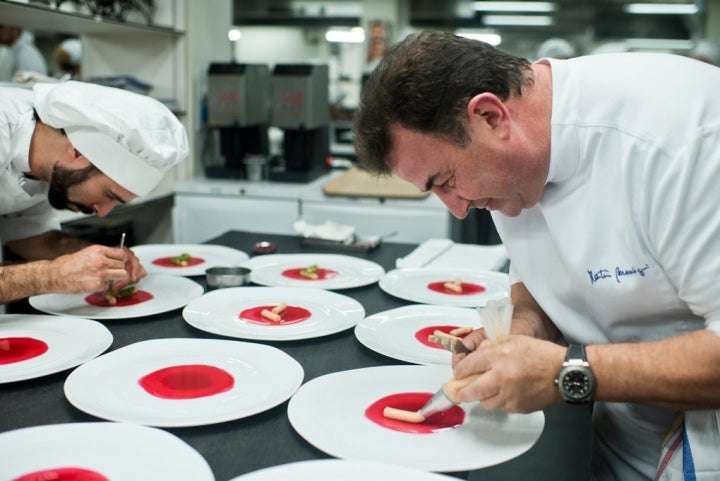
x,y
238,118
301,109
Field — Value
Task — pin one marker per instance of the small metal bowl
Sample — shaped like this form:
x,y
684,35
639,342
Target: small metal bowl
x,y
219,277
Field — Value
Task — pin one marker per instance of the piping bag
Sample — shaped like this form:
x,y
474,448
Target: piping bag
x,y
496,318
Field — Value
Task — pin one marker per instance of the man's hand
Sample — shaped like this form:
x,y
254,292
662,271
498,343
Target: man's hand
x,y
93,268
515,376
134,270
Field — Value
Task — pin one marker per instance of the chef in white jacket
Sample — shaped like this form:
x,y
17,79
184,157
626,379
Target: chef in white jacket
x,y
602,176
82,147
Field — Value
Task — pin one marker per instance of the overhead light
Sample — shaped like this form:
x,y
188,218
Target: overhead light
x,y
234,34
345,35
658,44
527,7
518,20
661,8
492,38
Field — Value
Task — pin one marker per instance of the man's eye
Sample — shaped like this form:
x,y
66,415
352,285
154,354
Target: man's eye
x,y
448,184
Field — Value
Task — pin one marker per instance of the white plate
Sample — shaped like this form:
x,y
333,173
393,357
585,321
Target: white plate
x,y
218,312
70,340
213,255
412,285
329,412
120,452
392,333
352,271
169,293
108,387
341,469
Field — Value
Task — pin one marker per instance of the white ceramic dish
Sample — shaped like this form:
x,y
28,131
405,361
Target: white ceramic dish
x,y
412,285
70,341
211,254
117,451
392,333
218,312
329,412
108,387
351,271
169,293
341,469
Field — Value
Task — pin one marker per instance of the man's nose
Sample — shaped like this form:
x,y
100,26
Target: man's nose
x,y
456,205
102,209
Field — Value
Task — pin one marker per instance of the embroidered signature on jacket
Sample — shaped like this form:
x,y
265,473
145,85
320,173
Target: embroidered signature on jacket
x,y
618,274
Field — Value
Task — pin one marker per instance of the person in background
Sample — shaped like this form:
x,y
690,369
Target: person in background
x,y
556,47
68,56
23,55
706,51
83,147
601,175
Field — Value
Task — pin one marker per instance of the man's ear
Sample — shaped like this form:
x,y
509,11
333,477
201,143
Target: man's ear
x,y
488,109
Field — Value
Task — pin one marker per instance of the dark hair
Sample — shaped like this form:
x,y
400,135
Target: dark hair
x,y
424,83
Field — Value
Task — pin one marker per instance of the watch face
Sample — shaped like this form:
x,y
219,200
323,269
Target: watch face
x,y
576,384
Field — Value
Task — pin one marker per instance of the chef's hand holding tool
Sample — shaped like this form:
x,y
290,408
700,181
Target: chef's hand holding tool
x,y
496,318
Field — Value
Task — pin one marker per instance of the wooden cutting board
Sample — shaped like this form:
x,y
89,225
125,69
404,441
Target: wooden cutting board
x,y
356,182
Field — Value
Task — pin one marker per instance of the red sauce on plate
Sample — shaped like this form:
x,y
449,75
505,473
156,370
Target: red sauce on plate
x,y
187,381
63,474
422,334
16,349
414,401
468,288
167,262
291,315
323,274
98,299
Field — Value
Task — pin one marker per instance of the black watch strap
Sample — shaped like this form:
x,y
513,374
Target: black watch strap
x,y
576,351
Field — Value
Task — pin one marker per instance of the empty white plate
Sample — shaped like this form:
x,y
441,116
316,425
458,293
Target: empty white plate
x,y
341,469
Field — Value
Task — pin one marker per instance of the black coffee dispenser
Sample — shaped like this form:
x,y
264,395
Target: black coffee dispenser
x,y
300,107
238,117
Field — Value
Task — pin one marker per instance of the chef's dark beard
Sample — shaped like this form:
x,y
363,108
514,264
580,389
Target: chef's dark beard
x,y
62,179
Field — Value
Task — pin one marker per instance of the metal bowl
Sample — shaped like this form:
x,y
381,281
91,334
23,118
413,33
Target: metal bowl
x,y
219,277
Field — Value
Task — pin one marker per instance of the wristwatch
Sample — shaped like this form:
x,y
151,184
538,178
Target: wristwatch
x,y
576,381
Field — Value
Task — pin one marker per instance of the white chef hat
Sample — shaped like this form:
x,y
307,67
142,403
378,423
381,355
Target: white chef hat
x,y
73,48
131,138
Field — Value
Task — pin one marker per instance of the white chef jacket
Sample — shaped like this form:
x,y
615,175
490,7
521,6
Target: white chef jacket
x,y
624,244
24,208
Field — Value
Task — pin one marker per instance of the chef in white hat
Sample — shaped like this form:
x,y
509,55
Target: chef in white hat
x,y
82,147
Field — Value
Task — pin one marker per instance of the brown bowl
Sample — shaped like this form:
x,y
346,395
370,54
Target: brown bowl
x,y
232,276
